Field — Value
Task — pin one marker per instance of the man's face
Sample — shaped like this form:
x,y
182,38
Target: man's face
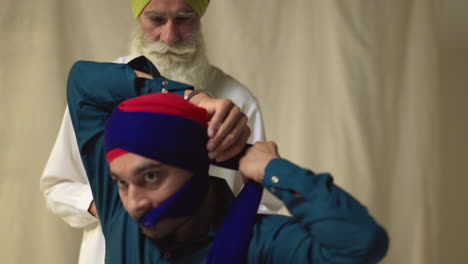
x,y
144,184
170,21
169,34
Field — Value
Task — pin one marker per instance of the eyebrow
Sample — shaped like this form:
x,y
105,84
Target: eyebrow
x,y
161,14
138,170
146,166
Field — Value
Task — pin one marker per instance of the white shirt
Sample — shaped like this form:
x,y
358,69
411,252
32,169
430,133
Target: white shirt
x,y
68,194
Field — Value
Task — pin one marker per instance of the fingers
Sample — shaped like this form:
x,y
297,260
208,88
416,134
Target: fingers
x,y
229,131
275,148
229,149
234,117
233,135
219,113
252,165
269,146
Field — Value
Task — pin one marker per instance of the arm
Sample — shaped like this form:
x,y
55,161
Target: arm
x,y
64,183
225,86
269,204
327,224
94,90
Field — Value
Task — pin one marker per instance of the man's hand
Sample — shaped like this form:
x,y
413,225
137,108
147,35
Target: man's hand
x,y
227,129
253,164
92,209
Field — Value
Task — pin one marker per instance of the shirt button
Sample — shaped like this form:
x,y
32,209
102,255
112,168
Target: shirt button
x,y
165,83
275,179
272,189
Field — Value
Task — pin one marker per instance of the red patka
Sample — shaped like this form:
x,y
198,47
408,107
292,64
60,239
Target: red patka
x,y
165,103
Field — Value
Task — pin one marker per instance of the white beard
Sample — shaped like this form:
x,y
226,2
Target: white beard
x,y
185,62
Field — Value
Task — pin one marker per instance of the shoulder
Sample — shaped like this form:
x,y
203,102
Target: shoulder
x,y
276,239
119,220
271,228
272,221
123,238
124,59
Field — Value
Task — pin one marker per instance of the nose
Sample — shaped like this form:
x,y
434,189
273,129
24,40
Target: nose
x,y
170,34
138,201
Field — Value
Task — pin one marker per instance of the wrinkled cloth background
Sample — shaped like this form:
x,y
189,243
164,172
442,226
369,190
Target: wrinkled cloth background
x,y
374,92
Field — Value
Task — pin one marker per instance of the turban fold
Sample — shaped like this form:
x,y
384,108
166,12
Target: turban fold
x,y
198,5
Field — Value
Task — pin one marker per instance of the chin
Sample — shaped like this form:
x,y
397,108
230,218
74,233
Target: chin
x,y
155,234
163,229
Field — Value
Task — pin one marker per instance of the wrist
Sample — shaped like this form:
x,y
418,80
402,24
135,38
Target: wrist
x,y
263,165
195,97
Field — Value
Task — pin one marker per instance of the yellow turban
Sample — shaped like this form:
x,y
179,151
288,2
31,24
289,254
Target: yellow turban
x,y
198,5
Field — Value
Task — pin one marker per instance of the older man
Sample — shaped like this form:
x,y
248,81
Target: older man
x,y
168,32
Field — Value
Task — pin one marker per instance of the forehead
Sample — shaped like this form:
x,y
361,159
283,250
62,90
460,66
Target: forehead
x,y
168,6
127,163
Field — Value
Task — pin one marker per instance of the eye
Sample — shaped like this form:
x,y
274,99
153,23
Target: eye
x,y
158,20
179,20
122,184
151,177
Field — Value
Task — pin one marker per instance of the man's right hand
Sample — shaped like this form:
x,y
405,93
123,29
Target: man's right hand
x,y
92,209
253,164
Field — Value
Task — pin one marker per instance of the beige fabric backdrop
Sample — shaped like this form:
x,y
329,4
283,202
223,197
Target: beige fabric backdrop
x,y
372,91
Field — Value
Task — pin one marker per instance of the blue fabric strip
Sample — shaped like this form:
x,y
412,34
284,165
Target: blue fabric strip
x,y
233,237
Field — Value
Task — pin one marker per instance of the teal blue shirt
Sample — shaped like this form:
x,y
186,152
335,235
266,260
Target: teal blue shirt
x,y
327,224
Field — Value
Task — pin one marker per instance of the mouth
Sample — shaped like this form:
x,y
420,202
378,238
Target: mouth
x,y
177,54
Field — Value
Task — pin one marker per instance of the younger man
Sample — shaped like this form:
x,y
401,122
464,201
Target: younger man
x,y
157,203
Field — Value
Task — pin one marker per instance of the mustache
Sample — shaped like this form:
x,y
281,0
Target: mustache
x,y
188,47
